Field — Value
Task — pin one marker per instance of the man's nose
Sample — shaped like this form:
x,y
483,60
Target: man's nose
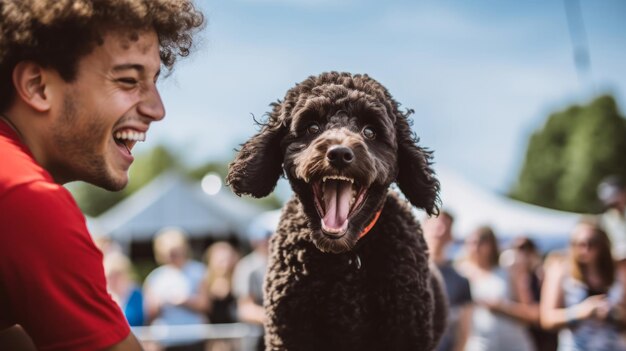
x,y
152,105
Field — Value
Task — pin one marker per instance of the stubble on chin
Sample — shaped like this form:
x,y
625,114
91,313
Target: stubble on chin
x,y
78,139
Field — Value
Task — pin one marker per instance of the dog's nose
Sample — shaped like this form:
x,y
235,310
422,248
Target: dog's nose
x,y
340,156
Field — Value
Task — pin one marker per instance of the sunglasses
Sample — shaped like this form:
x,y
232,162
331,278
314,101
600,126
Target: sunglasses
x,y
593,243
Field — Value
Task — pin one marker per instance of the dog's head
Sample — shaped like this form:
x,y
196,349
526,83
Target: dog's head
x,y
341,141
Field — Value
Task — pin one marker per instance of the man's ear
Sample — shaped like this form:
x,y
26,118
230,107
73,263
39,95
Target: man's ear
x,y
31,85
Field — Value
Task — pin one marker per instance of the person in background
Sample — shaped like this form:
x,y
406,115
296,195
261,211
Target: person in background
x,y
173,291
78,90
580,294
500,299
221,258
438,235
122,287
528,264
248,279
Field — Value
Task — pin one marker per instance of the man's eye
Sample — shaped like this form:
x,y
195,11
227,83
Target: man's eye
x,y
313,128
369,133
127,81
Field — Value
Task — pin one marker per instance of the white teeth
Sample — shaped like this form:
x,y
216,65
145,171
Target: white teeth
x,y
338,178
130,135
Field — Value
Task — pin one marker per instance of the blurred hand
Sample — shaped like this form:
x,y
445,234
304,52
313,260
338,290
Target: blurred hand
x,y
596,306
494,305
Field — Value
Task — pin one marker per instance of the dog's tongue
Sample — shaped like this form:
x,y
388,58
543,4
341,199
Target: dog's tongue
x,y
337,201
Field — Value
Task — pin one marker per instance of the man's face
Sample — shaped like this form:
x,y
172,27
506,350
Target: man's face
x,y
100,115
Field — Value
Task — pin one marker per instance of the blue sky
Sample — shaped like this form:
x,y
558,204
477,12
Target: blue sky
x,y
480,75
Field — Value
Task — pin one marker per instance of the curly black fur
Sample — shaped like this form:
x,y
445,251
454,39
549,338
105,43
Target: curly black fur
x,y
334,290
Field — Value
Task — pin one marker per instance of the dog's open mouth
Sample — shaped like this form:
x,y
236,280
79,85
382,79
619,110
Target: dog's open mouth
x,y
337,199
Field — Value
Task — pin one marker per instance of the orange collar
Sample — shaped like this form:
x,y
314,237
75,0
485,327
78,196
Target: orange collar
x,y
371,225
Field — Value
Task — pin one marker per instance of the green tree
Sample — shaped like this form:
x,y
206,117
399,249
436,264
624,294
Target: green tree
x,y
570,154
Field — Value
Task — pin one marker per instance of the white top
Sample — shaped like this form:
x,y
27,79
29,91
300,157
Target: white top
x,y
172,286
494,331
589,334
249,276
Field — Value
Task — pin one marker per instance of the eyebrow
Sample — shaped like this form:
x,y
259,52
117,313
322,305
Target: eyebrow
x,y
138,67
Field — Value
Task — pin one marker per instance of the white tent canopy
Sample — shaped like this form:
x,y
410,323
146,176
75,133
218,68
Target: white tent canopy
x,y
472,206
172,200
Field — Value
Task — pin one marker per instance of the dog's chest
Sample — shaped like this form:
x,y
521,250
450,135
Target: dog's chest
x,y
348,284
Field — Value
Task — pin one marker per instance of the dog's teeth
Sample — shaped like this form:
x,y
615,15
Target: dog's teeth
x,y
324,179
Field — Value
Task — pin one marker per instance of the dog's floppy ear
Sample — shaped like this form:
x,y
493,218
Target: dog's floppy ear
x,y
416,177
258,165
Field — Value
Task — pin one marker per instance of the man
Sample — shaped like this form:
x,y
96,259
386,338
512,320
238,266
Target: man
x,y
174,291
249,273
77,91
438,235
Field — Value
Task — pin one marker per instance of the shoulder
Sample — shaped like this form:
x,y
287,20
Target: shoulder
x,y
556,260
556,266
18,166
193,264
39,204
195,268
449,270
245,264
156,274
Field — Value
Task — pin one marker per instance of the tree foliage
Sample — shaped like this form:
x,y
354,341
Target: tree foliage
x,y
570,155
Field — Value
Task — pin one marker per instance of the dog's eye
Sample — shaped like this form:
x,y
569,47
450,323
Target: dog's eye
x,y
369,133
313,128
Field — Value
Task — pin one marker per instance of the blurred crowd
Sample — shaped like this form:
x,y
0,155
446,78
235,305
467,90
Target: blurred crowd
x,y
221,288
502,296
521,299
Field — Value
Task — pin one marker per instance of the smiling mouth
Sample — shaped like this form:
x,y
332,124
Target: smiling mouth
x,y
337,200
127,138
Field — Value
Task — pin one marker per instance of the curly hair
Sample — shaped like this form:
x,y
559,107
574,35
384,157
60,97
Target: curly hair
x,y
58,33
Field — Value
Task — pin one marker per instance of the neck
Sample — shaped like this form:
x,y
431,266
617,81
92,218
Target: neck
x,y
7,120
437,256
33,130
483,264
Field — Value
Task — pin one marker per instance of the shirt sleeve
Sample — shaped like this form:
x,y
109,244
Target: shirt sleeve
x,y
51,272
241,278
466,292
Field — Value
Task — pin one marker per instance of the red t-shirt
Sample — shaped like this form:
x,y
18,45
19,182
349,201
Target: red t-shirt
x,y
51,276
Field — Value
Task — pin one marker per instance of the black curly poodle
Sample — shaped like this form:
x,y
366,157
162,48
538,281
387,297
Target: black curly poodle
x,y
348,267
